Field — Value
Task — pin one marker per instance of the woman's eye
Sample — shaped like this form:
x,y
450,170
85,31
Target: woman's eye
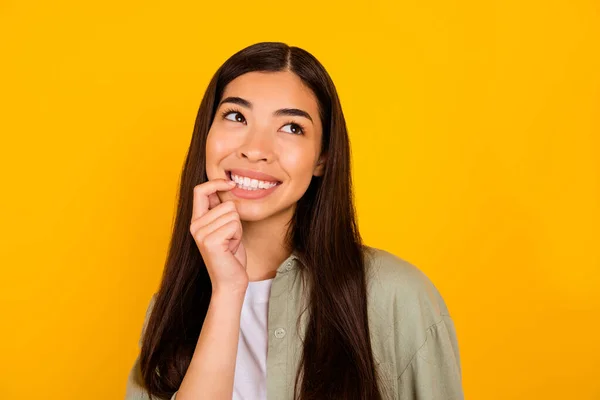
x,y
237,117
294,128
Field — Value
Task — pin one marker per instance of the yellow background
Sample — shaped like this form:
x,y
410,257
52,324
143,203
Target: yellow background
x,y
475,131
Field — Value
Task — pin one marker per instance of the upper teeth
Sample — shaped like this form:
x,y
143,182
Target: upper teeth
x,y
252,183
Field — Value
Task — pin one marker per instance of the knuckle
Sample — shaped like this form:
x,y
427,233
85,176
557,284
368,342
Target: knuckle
x,y
198,188
197,238
199,235
204,244
233,213
194,225
235,223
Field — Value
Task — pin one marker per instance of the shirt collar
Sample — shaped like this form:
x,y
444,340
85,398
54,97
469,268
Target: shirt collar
x,y
289,263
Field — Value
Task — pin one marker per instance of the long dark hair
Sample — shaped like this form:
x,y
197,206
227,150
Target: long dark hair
x,y
337,360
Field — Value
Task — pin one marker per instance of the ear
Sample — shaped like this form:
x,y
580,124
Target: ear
x,y
320,167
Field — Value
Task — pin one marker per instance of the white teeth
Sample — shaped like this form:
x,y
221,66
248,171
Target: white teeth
x,y
251,184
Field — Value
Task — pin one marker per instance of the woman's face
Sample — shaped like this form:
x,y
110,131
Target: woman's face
x,y
266,123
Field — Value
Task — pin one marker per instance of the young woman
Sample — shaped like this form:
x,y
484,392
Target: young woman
x,y
268,291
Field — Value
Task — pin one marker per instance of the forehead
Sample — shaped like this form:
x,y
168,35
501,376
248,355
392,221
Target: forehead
x,y
273,90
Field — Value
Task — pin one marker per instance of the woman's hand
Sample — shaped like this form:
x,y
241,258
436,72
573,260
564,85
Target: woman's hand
x,y
217,231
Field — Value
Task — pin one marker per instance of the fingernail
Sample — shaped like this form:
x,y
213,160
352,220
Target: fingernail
x,y
231,182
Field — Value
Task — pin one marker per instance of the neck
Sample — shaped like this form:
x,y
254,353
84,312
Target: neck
x,y
265,247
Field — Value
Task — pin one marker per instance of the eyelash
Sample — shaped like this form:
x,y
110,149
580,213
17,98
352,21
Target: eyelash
x,y
233,110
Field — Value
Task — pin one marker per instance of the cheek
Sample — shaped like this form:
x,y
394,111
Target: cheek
x,y
214,144
217,148
299,163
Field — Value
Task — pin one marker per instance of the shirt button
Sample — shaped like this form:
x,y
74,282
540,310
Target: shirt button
x,y
279,333
288,267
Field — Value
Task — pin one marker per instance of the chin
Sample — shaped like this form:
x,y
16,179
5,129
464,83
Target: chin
x,y
250,212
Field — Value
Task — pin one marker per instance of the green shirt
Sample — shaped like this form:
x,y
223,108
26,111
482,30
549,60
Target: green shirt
x,y
413,337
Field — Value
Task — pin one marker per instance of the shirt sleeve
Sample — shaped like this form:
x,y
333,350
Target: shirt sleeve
x,y
434,373
135,389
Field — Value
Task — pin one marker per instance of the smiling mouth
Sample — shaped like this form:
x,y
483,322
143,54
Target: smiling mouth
x,y
251,184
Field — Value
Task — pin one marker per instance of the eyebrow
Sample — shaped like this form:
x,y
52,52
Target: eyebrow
x,y
293,112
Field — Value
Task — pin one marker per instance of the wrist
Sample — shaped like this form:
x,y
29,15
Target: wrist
x,y
229,292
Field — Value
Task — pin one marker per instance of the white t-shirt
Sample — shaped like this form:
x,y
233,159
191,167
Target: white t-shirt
x,y
250,379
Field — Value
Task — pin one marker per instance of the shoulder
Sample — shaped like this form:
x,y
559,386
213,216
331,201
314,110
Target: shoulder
x,y
402,298
406,311
391,278
413,335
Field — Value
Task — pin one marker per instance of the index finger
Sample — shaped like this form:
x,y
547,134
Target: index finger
x,y
202,193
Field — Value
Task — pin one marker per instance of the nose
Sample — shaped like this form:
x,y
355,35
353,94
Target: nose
x,y
257,146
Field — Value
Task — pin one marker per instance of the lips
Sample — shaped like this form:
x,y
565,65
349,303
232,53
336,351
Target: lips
x,y
261,176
